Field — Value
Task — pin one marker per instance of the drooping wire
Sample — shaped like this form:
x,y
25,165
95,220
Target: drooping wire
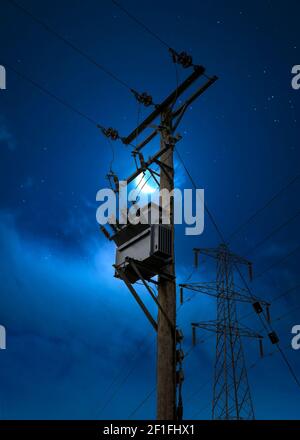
x,y
141,350
272,300
157,37
201,410
142,403
70,44
177,85
113,155
277,229
260,210
52,95
271,353
264,321
280,317
281,350
208,211
78,112
140,23
205,205
126,377
280,261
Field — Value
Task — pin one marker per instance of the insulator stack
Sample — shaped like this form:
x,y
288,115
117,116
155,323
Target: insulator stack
x,y
268,314
144,98
261,348
196,259
257,307
181,295
250,269
110,133
194,336
273,337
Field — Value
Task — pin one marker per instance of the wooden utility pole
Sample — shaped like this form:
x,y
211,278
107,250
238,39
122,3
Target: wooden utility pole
x,y
166,333
167,359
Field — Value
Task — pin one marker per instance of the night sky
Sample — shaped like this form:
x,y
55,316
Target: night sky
x,y
78,346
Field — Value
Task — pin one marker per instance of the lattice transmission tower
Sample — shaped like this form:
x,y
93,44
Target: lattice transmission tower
x,y
231,393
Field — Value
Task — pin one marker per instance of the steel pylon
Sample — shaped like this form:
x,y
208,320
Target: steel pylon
x,y
231,392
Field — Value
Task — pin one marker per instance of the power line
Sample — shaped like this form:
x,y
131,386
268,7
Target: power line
x,y
154,389
267,325
283,355
260,210
283,225
52,95
124,380
112,154
201,410
281,295
195,393
271,353
140,23
264,321
276,298
287,362
278,348
142,403
287,313
98,65
161,40
70,44
205,205
91,120
282,260
183,58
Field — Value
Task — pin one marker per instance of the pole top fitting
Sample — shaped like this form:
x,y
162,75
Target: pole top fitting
x,y
110,132
143,98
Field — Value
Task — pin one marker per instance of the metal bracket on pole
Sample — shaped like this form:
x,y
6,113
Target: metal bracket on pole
x,y
133,265
136,297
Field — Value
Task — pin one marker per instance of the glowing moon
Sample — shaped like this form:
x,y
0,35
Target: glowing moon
x,y
143,185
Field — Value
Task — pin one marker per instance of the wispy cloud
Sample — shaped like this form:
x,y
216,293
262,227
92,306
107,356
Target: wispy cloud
x,y
7,139
70,327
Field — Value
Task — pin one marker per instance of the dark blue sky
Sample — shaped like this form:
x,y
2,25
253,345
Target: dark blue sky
x,y
78,346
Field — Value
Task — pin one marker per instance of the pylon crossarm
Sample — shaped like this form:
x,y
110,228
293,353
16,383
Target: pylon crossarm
x,y
206,251
248,332
211,289
220,327
216,252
